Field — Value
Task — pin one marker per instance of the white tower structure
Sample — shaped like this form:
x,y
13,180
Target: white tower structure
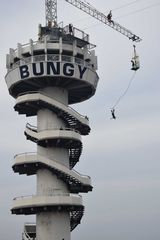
x,y
46,77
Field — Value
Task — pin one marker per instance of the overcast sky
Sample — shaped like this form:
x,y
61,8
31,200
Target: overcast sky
x,y
122,156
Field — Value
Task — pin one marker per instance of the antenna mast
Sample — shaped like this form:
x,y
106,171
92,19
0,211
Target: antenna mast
x,y
51,12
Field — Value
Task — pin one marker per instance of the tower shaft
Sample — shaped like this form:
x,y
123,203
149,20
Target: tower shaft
x,y
55,223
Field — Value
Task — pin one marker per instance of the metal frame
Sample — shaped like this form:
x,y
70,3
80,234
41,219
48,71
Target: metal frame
x,y
51,11
51,16
103,18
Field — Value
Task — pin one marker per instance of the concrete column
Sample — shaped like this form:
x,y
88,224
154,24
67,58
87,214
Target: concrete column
x,y
54,224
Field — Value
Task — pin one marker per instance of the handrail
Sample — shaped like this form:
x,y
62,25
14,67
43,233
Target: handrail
x,y
43,93
31,127
34,129
84,36
27,237
35,153
29,223
76,31
53,195
25,44
25,153
51,57
25,233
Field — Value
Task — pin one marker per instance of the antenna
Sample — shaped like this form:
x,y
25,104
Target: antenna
x,y
51,12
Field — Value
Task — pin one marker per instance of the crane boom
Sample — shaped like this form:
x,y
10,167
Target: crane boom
x,y
103,18
51,16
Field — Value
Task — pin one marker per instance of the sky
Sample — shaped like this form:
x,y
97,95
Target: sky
x,y
121,156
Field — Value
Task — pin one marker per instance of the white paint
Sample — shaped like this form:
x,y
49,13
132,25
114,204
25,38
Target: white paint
x,y
40,201
48,184
47,120
32,158
56,93
53,226
61,155
90,77
39,96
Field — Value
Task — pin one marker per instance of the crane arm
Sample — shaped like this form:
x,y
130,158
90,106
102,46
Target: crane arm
x,y
90,10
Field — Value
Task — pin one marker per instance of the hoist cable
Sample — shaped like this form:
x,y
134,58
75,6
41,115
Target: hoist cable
x,y
126,15
139,10
125,92
125,5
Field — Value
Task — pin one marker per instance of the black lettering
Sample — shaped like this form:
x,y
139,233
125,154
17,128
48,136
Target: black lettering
x,y
51,67
24,71
41,69
81,71
68,69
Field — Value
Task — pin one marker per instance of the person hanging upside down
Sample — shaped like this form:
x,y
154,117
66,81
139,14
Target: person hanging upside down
x,y
113,113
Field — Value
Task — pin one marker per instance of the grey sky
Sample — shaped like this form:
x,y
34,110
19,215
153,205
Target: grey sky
x,y
121,156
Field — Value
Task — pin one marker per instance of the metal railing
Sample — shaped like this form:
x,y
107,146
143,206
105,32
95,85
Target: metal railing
x,y
53,195
35,153
31,127
46,95
51,57
25,236
77,33
34,129
29,228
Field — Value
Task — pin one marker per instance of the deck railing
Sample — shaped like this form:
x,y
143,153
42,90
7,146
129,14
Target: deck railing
x,y
51,57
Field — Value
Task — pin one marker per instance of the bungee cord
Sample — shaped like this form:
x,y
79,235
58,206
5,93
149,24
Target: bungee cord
x,y
125,92
120,98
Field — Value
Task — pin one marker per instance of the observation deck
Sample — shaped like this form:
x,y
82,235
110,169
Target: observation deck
x,y
57,59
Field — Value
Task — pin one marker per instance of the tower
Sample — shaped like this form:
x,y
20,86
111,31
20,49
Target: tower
x,y
46,77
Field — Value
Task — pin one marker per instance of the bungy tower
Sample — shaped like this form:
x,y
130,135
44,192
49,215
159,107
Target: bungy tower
x,y
46,77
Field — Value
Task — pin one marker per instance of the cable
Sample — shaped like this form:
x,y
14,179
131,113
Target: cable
x,y
125,5
125,92
140,10
131,13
